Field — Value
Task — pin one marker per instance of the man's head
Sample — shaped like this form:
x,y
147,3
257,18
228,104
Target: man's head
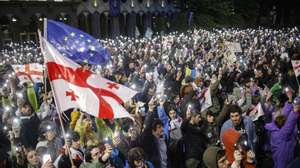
x,y
92,153
214,157
210,117
32,158
75,140
157,128
172,114
136,157
26,109
235,114
195,118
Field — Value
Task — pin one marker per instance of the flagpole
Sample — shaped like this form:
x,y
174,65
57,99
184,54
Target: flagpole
x,y
56,103
45,73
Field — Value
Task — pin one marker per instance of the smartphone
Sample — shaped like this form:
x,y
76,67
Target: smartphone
x,y
46,157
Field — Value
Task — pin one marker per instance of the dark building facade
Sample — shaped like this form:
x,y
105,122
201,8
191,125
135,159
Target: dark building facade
x,y
19,20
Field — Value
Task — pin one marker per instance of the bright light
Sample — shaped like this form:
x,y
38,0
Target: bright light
x,y
16,120
13,19
286,89
48,127
5,128
106,139
19,95
7,108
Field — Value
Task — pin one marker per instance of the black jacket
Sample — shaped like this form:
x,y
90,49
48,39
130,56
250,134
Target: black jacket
x,y
29,131
195,140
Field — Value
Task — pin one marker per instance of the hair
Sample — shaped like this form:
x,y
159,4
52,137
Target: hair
x,y
209,112
88,155
234,109
156,123
135,154
75,136
280,120
194,113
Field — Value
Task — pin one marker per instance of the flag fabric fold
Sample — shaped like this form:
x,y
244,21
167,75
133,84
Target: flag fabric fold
x,y
76,44
207,100
75,87
256,112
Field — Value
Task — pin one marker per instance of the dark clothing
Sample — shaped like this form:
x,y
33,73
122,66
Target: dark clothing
x,y
29,131
150,144
195,140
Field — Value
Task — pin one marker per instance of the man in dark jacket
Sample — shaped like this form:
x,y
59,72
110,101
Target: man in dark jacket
x,y
195,140
29,126
154,145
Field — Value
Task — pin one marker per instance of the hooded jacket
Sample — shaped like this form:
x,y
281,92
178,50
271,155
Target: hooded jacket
x,y
283,140
210,157
229,138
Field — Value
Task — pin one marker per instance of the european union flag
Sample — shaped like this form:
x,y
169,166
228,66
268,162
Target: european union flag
x,y
75,44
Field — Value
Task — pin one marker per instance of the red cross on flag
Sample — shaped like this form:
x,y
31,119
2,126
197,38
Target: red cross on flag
x,y
74,87
29,72
296,67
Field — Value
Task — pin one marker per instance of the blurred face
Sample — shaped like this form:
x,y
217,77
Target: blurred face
x,y
196,119
138,163
16,131
131,65
76,144
172,114
25,110
151,91
235,118
158,132
32,158
95,153
210,118
50,135
177,99
188,114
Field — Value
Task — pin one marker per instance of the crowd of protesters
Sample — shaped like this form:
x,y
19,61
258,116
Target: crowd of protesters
x,y
173,127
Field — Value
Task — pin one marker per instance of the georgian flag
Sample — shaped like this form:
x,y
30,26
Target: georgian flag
x,y
74,87
29,72
296,67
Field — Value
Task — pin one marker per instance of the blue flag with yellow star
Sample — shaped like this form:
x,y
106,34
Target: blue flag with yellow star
x,y
76,44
